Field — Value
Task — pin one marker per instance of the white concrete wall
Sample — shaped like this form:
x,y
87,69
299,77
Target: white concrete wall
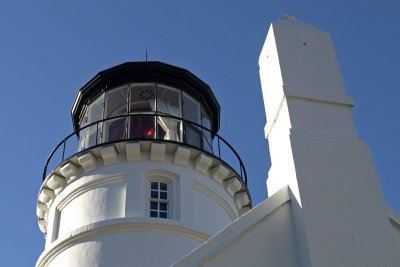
x,y
200,201
395,223
92,202
276,245
396,232
204,205
113,191
267,235
124,243
315,150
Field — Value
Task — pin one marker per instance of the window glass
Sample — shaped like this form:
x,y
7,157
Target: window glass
x,y
116,102
83,117
153,213
142,97
207,140
154,194
191,109
115,129
163,206
154,185
153,205
163,186
169,100
205,121
193,135
82,133
141,126
95,110
169,129
163,195
90,136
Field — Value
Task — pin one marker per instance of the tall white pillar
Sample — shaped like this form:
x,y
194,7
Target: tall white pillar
x,y
316,151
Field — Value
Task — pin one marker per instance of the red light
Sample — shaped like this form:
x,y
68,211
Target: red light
x,y
150,132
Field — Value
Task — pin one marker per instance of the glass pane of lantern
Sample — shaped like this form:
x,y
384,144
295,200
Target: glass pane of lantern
x,y
116,102
192,135
191,109
141,126
205,122
82,133
153,214
207,143
115,130
82,138
142,97
169,129
92,135
168,100
95,110
163,215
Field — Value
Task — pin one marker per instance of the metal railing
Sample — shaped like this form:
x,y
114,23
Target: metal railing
x,y
146,127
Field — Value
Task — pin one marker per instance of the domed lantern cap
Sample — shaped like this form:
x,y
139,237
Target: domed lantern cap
x,y
140,72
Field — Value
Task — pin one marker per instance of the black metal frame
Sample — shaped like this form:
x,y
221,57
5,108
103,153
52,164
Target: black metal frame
x,y
214,153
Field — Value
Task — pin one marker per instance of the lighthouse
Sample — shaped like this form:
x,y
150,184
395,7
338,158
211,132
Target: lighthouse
x,y
144,178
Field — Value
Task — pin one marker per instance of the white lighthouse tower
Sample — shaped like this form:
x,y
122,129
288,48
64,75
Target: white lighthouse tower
x,y
145,178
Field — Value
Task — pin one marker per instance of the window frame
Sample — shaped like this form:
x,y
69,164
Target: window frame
x,y
159,200
172,181
169,200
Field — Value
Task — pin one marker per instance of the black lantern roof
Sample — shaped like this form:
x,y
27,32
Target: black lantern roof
x,y
152,71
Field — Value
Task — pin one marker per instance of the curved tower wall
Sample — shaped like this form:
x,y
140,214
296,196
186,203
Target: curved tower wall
x,y
101,212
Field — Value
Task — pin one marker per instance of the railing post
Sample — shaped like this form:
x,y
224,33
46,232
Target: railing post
x,y
63,151
97,132
219,148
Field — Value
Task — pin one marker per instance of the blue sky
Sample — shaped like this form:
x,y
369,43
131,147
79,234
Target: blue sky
x,y
49,49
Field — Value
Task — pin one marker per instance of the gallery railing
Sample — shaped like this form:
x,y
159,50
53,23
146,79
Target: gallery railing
x,y
142,127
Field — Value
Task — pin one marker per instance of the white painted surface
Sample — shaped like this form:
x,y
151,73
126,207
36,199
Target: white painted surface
x,y
182,156
109,155
265,236
70,172
315,150
121,191
204,201
123,242
101,199
132,151
253,249
88,162
395,223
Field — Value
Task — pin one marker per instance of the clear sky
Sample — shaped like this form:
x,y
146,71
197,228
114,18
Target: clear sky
x,y
49,49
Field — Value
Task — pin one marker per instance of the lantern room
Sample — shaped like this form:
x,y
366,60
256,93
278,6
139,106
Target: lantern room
x,y
146,100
